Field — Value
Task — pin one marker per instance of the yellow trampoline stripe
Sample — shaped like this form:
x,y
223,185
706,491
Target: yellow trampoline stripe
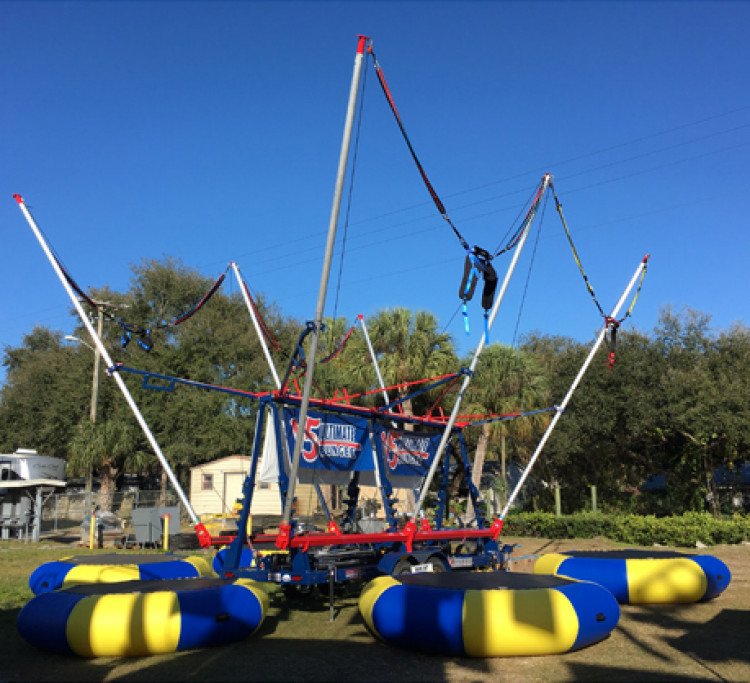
x,y
370,594
201,564
125,624
101,573
676,579
523,622
258,591
549,564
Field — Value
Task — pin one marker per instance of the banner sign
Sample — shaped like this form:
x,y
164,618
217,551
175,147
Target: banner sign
x,y
337,445
407,454
333,443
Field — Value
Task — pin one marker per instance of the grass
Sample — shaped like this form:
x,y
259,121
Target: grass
x,y
298,641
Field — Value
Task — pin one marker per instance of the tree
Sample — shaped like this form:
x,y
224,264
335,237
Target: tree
x,y
109,446
705,402
409,347
506,381
606,436
45,394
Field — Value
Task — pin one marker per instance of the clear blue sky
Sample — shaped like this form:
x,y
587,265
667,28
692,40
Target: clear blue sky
x,y
211,132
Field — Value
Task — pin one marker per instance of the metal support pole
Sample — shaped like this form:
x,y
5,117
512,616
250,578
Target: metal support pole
x,y
256,324
332,226
561,408
546,179
331,592
375,363
594,506
36,529
107,358
94,391
558,501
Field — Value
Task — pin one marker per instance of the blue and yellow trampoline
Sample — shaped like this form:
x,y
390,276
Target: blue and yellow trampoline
x,y
488,614
137,618
115,568
643,577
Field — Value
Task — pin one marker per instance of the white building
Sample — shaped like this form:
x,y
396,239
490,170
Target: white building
x,y
215,487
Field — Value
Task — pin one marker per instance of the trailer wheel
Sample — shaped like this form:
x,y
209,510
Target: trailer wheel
x,y
437,565
298,592
469,548
403,566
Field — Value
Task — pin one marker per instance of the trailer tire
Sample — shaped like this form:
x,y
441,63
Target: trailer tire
x,y
438,565
403,566
296,592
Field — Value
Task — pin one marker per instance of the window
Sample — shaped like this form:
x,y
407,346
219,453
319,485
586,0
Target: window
x,y
207,482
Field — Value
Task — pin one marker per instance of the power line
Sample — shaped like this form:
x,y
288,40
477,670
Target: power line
x,y
525,189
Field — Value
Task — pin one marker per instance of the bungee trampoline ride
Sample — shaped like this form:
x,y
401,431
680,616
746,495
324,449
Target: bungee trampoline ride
x,y
425,591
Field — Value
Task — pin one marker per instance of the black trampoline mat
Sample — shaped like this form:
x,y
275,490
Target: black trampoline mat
x,y
121,558
626,554
459,580
152,586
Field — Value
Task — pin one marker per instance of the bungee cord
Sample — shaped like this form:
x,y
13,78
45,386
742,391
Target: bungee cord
x,y
611,323
478,262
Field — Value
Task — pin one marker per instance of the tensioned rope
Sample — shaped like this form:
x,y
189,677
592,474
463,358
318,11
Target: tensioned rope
x,y
528,274
478,260
355,156
612,323
143,333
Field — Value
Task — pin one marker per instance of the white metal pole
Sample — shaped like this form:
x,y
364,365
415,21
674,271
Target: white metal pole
x,y
561,408
546,179
107,358
361,319
256,324
378,479
328,256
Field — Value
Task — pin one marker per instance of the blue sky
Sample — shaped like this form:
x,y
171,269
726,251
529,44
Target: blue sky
x,y
210,132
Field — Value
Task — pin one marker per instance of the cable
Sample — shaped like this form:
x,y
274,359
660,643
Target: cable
x,y
536,170
355,156
531,266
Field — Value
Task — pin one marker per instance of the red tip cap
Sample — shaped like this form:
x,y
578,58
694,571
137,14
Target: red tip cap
x,y
360,317
361,44
646,258
18,198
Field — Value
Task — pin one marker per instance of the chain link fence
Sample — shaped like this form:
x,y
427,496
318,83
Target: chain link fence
x,y
65,513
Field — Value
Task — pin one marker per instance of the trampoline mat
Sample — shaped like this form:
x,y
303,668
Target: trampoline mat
x,y
483,580
122,558
626,554
151,586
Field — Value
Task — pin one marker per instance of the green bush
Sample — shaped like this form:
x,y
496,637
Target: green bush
x,y
683,530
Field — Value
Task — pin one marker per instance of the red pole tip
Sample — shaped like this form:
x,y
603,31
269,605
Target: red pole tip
x,y
361,44
18,198
360,317
646,258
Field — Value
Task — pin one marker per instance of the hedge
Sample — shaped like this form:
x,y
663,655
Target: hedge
x,y
684,530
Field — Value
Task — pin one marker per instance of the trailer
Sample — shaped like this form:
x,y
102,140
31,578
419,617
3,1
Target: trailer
x,y
350,446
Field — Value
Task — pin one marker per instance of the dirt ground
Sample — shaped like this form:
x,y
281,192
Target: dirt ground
x,y
707,641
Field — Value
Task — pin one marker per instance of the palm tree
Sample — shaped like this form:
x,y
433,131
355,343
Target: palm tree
x,y
107,446
506,381
409,347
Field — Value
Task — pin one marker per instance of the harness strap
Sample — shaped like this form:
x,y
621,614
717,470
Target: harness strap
x,y
612,325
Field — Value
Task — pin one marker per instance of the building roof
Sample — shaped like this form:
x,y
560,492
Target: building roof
x,y
227,459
